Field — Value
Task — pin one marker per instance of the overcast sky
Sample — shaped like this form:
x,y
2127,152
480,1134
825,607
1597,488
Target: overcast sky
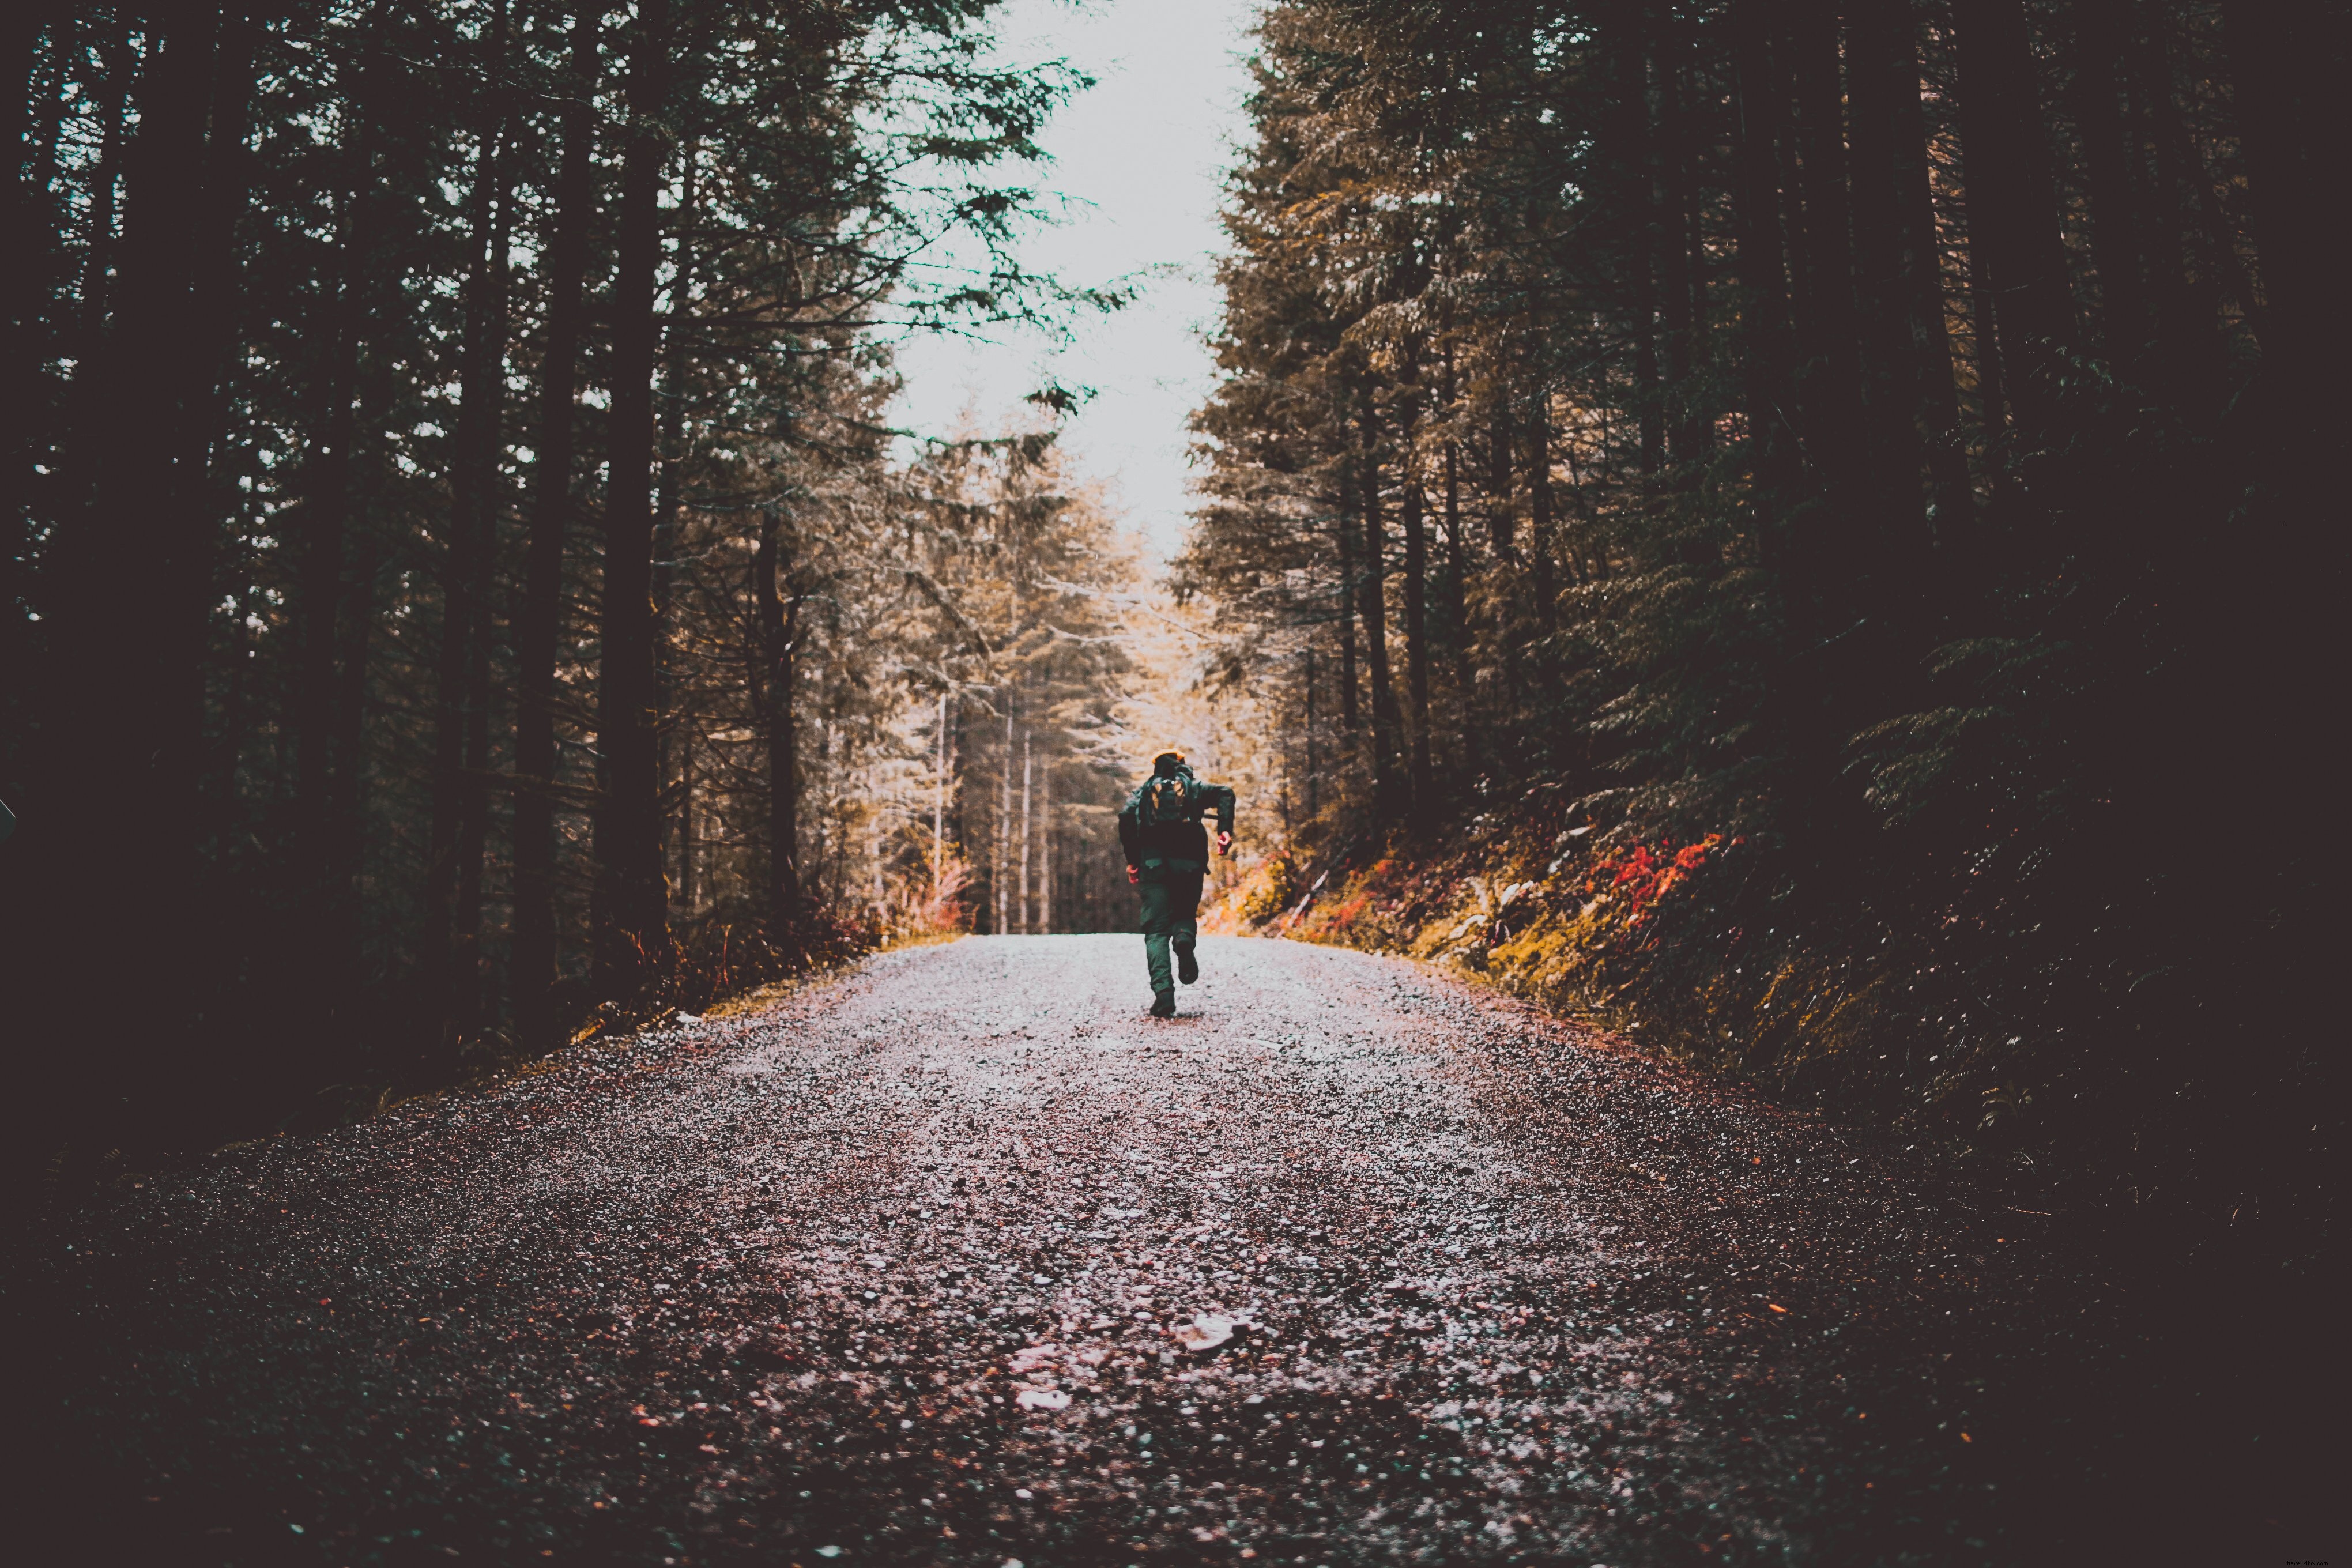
x,y
1143,152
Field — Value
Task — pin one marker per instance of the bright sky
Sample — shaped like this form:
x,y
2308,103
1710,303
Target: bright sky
x,y
1141,157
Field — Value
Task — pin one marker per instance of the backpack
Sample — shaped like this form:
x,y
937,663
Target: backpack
x,y
1167,799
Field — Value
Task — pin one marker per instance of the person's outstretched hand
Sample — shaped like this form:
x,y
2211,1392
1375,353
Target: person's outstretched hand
x,y
1133,876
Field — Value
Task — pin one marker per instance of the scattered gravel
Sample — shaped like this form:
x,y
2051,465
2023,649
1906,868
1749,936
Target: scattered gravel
x,y
962,1260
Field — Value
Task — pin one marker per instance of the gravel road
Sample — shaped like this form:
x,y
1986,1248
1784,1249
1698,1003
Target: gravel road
x,y
959,1258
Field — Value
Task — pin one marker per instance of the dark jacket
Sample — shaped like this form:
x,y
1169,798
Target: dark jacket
x,y
1147,844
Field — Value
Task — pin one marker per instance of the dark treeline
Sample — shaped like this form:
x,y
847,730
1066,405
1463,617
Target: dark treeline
x,y
1902,440
459,579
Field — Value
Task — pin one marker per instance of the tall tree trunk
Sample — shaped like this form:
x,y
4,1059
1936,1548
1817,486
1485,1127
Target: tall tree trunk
x,y
1045,848
630,913
1000,874
1952,504
2188,295
532,961
1457,592
1776,454
669,457
2013,211
2100,29
774,691
346,812
1883,94
1685,251
451,959
475,1000
200,499
1373,605
326,697
127,588
1984,321
1502,519
1348,589
690,896
1542,537
939,804
1416,615
1314,762
1820,229
1028,777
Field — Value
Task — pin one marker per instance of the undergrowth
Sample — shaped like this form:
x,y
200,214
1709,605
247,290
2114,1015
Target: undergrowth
x,y
2085,1072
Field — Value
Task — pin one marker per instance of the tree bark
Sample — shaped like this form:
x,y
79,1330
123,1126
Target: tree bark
x,y
1542,540
452,935
1883,93
773,691
1348,589
2100,27
1372,604
1820,229
1028,777
2013,211
531,962
1775,445
631,947
1502,520
1422,779
127,590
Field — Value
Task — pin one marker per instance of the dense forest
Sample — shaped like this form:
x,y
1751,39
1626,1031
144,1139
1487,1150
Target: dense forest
x,y
463,588
1800,532
1805,531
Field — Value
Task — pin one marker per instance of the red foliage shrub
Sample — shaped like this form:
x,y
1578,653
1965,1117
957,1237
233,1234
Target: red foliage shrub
x,y
1647,873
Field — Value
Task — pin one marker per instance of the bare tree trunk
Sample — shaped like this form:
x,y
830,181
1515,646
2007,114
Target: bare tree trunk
x,y
939,804
2013,210
1541,536
669,449
1373,605
1347,603
452,936
1883,93
532,961
1001,877
1819,227
773,694
1423,777
630,913
1764,334
1028,771
127,579
2108,150
1045,848
1314,762
689,891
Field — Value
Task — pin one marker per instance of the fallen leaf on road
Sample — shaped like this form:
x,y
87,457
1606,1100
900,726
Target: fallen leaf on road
x,y
1042,1399
1206,1331
1030,1357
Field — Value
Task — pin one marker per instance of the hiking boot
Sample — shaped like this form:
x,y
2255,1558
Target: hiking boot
x,y
1188,968
1164,1003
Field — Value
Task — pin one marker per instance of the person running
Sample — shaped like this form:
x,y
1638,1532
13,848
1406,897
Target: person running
x,y
1167,855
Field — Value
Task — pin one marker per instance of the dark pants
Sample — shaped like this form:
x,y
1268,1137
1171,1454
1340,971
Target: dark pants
x,y
1171,910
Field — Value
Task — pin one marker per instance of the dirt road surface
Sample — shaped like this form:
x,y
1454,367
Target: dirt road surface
x,y
961,1259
